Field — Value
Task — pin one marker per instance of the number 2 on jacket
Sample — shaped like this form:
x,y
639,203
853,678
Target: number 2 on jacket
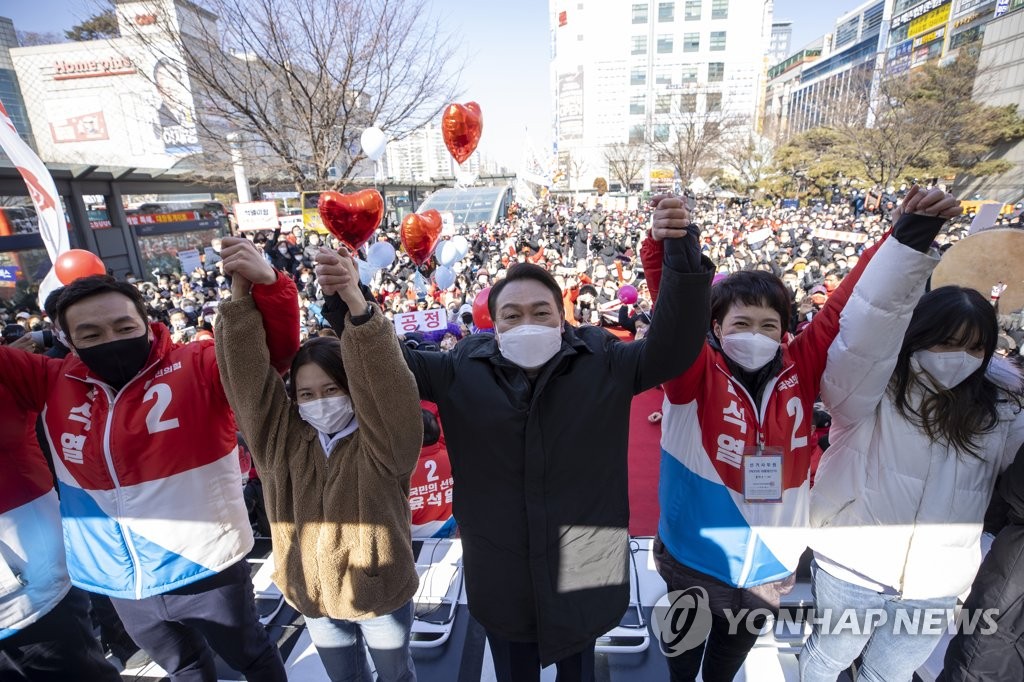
x,y
155,421
796,409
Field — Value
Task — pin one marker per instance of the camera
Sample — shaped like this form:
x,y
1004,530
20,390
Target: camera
x,y
12,332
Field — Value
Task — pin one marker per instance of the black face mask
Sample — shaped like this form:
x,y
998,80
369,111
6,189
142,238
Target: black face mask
x,y
117,362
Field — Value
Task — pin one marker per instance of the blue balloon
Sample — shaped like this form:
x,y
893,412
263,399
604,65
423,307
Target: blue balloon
x,y
444,277
381,255
447,254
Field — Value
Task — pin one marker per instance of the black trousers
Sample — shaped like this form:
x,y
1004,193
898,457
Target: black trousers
x,y
59,647
722,653
520,662
178,629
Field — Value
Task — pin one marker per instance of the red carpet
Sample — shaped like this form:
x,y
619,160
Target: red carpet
x,y
644,460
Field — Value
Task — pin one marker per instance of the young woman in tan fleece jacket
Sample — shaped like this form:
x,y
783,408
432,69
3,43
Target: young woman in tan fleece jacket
x,y
335,452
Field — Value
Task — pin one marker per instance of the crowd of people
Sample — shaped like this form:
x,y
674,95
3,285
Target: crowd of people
x,y
749,318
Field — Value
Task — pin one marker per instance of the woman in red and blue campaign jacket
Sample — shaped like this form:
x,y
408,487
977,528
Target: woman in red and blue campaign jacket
x,y
33,572
148,471
430,489
745,407
45,629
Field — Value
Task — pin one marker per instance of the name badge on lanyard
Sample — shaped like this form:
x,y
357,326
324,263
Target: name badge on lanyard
x,y
762,475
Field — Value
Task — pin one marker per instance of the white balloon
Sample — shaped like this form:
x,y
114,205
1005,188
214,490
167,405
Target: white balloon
x,y
462,245
373,142
365,272
444,277
447,254
381,255
419,283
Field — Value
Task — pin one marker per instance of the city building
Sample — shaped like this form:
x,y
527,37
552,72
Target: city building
x,y
421,156
113,102
629,72
10,91
783,79
780,45
804,90
1001,61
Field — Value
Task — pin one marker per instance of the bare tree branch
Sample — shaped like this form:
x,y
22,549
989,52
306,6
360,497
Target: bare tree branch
x,y
625,163
300,80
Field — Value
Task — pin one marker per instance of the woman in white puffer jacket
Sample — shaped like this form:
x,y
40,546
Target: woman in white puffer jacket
x,y
921,427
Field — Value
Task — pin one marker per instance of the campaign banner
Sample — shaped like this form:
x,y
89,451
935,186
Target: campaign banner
x,y
9,275
256,215
840,236
53,228
421,321
759,235
189,260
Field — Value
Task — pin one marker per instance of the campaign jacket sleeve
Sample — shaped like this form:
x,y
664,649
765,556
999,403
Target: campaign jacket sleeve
x,y
863,356
678,324
810,347
384,393
253,387
651,254
26,376
277,304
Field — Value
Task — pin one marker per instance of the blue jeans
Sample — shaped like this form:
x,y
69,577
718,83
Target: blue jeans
x,y
340,645
859,619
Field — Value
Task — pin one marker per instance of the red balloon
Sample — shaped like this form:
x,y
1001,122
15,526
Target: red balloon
x,y
462,127
420,232
352,218
481,315
76,264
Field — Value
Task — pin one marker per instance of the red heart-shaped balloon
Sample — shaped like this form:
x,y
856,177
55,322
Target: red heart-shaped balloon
x,y
352,218
462,127
420,232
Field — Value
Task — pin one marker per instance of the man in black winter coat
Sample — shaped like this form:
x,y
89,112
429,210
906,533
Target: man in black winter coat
x,y
981,655
536,419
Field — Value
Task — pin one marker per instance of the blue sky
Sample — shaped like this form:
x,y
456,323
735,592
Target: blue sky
x,y
506,47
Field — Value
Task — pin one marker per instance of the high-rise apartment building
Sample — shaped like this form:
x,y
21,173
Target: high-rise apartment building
x,y
781,42
626,72
421,156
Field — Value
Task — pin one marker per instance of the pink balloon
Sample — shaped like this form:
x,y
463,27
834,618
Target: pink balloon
x,y
627,294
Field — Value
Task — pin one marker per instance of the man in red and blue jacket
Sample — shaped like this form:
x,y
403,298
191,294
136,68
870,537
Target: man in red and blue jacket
x,y
44,621
145,454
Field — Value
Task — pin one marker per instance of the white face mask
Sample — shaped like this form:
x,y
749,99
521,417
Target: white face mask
x,y
530,345
328,415
749,350
947,369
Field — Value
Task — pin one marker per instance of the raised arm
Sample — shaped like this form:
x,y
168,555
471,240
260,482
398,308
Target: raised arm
x,y
863,356
681,320
811,346
383,389
274,294
432,371
26,376
253,387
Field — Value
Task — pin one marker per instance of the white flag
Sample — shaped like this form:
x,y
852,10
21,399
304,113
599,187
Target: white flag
x,y
52,226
